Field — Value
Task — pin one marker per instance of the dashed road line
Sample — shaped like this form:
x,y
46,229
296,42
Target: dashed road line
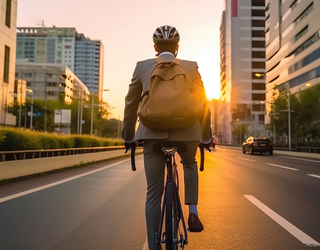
x,y
245,159
301,159
279,166
314,175
296,232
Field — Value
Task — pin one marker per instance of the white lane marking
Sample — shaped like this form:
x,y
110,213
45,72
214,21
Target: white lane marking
x,y
301,159
245,159
296,232
145,246
279,166
57,183
313,175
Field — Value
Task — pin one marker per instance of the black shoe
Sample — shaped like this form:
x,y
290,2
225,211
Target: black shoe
x,y
194,223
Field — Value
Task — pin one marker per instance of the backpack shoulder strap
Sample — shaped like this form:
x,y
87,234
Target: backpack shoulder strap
x,y
159,60
176,60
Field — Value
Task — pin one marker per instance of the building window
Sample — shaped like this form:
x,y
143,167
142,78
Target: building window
x,y
258,86
258,65
308,43
258,54
8,13
258,2
315,55
261,118
258,13
258,44
257,33
258,97
301,33
6,64
27,74
257,107
258,23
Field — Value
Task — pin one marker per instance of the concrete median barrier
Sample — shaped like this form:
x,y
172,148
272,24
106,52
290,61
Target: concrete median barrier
x,y
14,169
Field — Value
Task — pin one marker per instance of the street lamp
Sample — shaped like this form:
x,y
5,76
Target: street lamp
x,y
31,108
46,98
274,122
240,131
287,87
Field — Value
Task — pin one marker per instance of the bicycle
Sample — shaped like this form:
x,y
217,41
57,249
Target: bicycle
x,y
175,233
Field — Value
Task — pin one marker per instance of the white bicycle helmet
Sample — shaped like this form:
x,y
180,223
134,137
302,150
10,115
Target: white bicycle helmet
x,y
166,34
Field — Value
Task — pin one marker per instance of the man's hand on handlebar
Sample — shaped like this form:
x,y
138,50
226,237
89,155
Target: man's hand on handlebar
x,y
130,145
204,145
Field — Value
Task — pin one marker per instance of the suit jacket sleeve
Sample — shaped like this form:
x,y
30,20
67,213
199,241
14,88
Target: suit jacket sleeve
x,y
131,105
205,119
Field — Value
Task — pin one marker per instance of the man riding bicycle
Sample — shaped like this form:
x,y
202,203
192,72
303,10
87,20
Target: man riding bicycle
x,y
166,39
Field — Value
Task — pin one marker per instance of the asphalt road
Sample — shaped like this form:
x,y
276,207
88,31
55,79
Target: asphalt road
x,y
246,202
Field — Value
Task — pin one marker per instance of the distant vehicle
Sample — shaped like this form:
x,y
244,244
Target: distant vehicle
x,y
213,142
257,144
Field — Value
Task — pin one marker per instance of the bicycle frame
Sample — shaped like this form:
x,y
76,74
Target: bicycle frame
x,y
170,148
172,183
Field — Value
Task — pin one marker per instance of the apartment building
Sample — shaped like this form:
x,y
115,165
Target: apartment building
x,y
242,69
8,9
64,46
89,63
292,46
51,81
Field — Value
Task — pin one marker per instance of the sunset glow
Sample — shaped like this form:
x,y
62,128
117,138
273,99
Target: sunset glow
x,y
126,34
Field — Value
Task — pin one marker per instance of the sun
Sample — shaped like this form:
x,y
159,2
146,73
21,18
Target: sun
x,y
210,74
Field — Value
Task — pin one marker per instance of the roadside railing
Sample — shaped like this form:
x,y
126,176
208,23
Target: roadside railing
x,y
308,149
43,153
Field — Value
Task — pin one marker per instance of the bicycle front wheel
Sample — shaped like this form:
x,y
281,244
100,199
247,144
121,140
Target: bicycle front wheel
x,y
172,216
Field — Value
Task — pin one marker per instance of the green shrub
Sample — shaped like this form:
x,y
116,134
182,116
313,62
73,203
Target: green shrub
x,y
12,139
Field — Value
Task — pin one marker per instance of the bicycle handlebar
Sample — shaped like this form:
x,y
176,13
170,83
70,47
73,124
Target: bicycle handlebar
x,y
133,162
201,159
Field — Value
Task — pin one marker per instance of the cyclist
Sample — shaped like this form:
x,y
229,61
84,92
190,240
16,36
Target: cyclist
x,y
166,39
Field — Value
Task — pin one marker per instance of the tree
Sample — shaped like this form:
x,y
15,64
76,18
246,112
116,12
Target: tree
x,y
305,120
239,128
101,114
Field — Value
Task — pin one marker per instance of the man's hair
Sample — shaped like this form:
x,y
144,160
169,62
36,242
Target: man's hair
x,y
170,47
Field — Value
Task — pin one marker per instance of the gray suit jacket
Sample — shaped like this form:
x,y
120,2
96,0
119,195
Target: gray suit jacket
x,y
139,85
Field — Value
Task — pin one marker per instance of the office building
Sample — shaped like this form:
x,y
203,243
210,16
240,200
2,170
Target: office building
x,y
242,69
64,46
8,26
50,81
89,63
292,47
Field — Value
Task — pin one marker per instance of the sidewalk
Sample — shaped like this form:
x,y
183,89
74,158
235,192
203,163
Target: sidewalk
x,y
297,154
281,152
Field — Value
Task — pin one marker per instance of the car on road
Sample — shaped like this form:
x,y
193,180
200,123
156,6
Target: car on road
x,y
257,144
213,142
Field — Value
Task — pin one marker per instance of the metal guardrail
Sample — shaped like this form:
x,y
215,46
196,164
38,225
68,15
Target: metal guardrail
x,y
314,150
43,153
285,149
309,149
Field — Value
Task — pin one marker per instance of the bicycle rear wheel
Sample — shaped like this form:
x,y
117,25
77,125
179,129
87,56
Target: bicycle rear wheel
x,y
172,218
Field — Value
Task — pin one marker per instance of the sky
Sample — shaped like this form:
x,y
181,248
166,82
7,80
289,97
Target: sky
x,y
125,28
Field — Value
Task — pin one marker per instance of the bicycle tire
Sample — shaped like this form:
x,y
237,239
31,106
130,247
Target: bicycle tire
x,y
175,219
171,218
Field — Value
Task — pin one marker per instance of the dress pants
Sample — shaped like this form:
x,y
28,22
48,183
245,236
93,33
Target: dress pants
x,y
154,164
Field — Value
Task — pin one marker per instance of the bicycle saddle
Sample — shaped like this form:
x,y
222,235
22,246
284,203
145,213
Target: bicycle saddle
x,y
170,145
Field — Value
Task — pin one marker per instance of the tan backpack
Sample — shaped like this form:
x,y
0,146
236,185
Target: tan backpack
x,y
173,100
